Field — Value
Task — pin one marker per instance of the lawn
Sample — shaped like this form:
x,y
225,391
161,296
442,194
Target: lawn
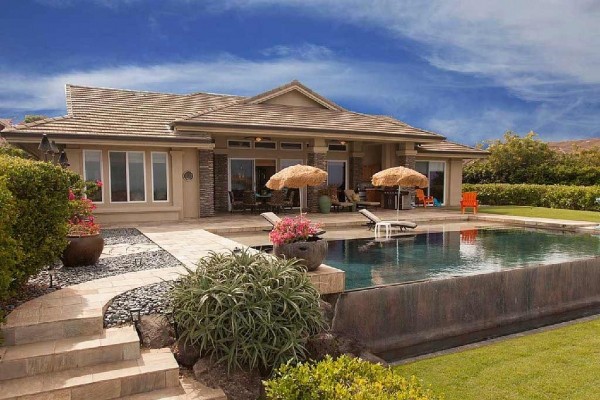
x,y
541,212
563,363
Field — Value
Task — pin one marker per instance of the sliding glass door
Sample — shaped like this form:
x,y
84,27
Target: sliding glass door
x,y
336,176
435,171
241,176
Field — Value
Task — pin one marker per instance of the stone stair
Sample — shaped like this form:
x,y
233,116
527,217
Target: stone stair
x,y
55,347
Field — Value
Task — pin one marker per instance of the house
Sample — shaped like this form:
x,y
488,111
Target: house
x,y
172,157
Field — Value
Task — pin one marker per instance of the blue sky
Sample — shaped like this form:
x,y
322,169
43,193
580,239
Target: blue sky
x,y
469,70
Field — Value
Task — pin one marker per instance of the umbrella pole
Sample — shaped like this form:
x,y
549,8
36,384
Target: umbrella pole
x,y
398,205
301,200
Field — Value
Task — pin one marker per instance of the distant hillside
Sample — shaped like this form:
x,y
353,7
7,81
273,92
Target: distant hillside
x,y
567,146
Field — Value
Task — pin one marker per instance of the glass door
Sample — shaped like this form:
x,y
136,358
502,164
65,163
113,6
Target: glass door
x,y
241,176
288,162
336,176
435,171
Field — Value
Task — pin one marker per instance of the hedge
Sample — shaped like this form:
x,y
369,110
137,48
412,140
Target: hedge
x,y
10,252
553,196
39,224
341,379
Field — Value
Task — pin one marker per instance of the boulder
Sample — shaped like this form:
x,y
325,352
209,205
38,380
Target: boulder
x,y
318,346
327,311
186,354
156,331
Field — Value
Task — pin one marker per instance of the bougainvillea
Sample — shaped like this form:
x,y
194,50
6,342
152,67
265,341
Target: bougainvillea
x,y
290,230
81,220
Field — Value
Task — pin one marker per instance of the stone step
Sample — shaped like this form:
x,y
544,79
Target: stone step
x,y
190,389
154,370
35,332
115,344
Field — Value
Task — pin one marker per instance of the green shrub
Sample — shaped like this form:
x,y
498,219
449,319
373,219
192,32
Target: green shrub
x,y
8,150
10,252
341,379
553,196
248,310
40,191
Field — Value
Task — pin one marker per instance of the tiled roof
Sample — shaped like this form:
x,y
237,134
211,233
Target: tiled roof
x,y
101,111
242,114
448,147
5,123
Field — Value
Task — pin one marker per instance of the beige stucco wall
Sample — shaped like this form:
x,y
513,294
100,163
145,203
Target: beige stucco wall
x,y
190,188
294,98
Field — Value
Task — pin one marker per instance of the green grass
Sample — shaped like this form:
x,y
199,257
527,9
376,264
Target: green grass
x,y
541,212
559,364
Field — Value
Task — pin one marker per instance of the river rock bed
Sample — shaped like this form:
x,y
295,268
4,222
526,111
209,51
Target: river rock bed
x,y
150,299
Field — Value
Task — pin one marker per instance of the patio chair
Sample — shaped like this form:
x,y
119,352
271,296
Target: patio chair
x,y
249,201
422,199
469,199
337,204
289,203
355,198
235,204
374,219
274,218
276,202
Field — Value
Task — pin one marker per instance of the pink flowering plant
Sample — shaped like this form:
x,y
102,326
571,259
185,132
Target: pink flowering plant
x,y
290,230
81,220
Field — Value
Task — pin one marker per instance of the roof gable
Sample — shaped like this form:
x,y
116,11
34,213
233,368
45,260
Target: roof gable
x,y
288,95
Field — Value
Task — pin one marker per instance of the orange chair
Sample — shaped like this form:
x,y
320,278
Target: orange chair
x,y
422,199
469,199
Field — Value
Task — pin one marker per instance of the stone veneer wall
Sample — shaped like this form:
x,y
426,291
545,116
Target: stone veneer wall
x,y
316,160
409,162
403,320
221,180
356,166
206,183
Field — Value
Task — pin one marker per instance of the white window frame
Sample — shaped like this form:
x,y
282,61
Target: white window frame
x,y
446,178
127,176
300,143
101,172
167,173
229,146
266,148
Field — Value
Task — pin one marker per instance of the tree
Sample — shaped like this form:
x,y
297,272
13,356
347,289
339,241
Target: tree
x,y
32,118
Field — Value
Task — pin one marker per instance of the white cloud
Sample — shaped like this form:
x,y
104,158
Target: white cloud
x,y
304,51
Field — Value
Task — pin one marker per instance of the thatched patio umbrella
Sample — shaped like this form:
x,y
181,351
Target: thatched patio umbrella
x,y
297,177
399,176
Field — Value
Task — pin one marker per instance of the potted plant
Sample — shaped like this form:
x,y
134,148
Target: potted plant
x,y
85,242
324,201
297,238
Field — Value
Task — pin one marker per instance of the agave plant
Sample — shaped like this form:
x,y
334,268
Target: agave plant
x,y
249,310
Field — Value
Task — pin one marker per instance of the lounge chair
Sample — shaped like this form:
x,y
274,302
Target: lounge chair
x,y
354,198
469,199
338,205
374,219
422,199
235,204
274,218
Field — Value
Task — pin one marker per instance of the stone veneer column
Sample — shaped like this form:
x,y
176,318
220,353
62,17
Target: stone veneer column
x,y
316,158
206,182
221,180
356,167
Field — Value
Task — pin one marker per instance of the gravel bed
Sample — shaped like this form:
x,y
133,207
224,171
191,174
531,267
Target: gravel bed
x,y
123,235
39,284
109,266
150,299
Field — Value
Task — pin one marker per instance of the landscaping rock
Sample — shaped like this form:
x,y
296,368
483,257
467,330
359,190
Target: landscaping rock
x,y
318,346
237,384
156,331
327,311
186,354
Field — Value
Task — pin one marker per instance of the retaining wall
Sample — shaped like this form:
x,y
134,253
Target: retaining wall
x,y
403,320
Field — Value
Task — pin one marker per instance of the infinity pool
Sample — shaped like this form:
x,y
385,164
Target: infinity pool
x,y
371,262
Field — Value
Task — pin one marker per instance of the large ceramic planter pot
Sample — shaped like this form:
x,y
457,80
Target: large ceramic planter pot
x,y
310,254
82,250
325,204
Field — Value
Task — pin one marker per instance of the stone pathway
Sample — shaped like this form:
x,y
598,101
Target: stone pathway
x,y
124,249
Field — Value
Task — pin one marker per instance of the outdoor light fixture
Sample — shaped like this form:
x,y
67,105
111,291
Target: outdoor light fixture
x,y
54,147
237,250
342,142
45,147
170,314
51,274
137,262
136,316
257,138
63,160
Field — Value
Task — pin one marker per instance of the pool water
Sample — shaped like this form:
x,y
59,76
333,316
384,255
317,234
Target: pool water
x,y
371,262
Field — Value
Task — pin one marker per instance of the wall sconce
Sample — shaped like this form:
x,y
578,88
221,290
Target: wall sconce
x,y
342,142
63,160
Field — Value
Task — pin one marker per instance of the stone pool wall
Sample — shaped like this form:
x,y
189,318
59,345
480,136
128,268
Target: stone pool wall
x,y
403,320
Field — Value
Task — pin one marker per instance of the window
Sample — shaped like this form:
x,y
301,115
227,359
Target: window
x,y
92,170
290,146
435,172
160,180
239,144
265,145
337,147
127,176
